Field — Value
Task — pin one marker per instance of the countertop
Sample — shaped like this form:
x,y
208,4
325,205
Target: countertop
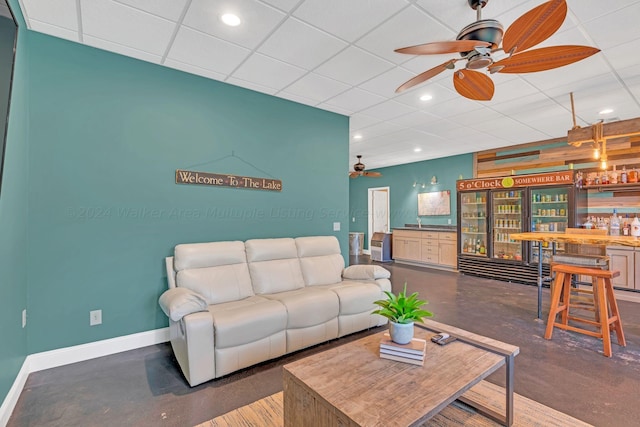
x,y
583,239
427,227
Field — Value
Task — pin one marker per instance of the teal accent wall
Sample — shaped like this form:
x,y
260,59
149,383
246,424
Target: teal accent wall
x,y
403,197
13,232
107,133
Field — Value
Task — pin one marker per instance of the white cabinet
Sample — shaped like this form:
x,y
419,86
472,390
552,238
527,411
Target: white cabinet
x,y
626,260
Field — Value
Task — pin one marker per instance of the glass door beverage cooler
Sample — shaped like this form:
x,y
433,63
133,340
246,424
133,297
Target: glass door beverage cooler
x,y
490,210
549,213
507,218
473,223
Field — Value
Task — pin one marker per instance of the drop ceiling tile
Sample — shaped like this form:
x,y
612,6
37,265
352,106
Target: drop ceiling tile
x,y
587,11
620,57
355,100
511,89
54,31
168,9
268,72
386,83
613,29
284,5
525,103
439,94
122,50
258,20
353,66
204,51
251,85
409,27
301,44
415,119
510,130
297,98
379,129
334,109
114,22
481,115
58,13
192,69
454,107
360,121
348,20
388,110
314,86
457,15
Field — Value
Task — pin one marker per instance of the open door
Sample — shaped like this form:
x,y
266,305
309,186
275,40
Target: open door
x,y
378,212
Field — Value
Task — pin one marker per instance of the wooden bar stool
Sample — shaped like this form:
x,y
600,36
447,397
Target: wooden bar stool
x,y
607,317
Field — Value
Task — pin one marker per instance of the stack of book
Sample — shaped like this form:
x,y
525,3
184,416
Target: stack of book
x,y
409,353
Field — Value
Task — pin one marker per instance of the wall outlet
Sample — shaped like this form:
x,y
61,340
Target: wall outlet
x,y
336,226
95,317
449,220
24,318
353,219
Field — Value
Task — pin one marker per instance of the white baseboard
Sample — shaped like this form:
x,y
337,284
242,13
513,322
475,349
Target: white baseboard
x,y
6,409
78,353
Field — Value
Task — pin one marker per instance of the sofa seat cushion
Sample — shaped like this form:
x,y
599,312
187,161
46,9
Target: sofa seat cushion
x,y
308,306
251,319
356,297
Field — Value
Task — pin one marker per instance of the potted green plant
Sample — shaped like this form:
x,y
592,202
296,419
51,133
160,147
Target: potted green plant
x,y
402,311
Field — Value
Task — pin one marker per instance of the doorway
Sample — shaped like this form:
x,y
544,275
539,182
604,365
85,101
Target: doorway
x,y
378,204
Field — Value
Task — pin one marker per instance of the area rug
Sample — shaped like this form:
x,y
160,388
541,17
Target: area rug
x,y
268,412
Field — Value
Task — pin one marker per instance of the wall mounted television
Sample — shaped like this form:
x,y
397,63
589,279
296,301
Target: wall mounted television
x,y
8,39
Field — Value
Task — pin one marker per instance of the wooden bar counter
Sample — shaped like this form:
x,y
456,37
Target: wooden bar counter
x,y
580,239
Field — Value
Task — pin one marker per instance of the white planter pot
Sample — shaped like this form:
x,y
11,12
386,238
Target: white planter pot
x,y
401,333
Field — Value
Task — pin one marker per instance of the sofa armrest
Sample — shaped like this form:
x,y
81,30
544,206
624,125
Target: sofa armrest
x,y
365,272
178,302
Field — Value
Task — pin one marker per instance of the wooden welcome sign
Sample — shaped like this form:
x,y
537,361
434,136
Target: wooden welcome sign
x,y
227,180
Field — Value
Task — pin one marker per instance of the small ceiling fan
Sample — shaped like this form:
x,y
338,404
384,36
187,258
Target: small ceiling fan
x,y
477,41
358,170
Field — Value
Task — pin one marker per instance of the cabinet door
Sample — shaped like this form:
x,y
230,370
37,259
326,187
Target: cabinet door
x,y
413,249
622,260
448,253
399,249
406,248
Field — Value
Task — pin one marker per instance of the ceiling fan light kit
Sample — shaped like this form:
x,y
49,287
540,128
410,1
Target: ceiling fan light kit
x,y
479,40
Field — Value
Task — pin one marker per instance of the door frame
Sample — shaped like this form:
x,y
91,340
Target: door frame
x,y
370,213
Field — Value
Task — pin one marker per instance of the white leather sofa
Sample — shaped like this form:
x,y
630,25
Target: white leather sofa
x,y
234,304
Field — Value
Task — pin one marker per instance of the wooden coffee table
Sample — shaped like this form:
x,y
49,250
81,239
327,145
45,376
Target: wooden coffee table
x,y
351,385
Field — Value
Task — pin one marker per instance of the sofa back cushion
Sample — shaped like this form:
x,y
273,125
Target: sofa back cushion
x,y
273,265
320,260
218,271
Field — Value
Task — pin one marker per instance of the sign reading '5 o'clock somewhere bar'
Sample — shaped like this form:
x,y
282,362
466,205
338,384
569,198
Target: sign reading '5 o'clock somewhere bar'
x,y
551,178
227,180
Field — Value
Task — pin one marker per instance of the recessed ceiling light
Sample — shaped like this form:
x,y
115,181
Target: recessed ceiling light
x,y
357,136
230,19
426,97
417,150
606,111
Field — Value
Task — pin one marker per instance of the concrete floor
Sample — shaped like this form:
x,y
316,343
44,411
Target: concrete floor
x,y
145,387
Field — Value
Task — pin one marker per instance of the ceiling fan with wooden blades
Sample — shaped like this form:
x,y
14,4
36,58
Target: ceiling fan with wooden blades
x,y
478,41
358,170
